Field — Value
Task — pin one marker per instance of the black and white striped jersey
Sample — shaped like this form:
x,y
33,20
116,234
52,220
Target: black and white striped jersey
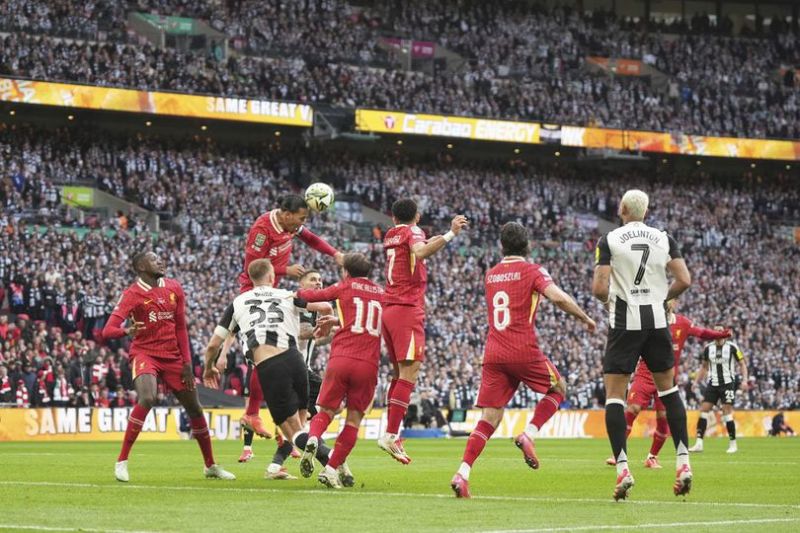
x,y
264,316
638,255
306,346
722,362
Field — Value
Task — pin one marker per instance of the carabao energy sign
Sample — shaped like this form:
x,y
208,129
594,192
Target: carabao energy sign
x,y
444,126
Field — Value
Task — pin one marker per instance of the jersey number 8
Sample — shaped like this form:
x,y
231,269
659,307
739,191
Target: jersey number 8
x,y
501,314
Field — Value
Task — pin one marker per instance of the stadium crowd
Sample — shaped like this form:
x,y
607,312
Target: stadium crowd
x,y
60,284
521,61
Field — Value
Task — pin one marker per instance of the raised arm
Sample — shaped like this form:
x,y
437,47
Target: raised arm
x,y
566,303
423,250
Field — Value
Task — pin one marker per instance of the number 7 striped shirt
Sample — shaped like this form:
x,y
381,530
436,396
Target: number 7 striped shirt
x,y
638,256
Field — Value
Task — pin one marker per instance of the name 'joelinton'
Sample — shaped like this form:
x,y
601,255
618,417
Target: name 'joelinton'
x,y
634,233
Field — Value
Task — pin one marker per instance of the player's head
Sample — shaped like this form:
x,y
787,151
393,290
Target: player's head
x,y
147,263
293,212
633,206
261,272
311,279
356,265
405,211
514,239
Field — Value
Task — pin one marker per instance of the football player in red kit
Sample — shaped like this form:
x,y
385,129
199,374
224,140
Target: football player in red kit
x,y
271,237
512,355
352,371
406,249
155,308
643,389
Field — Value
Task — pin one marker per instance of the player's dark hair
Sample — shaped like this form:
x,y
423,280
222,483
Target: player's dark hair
x,y
357,265
137,259
404,210
292,203
259,268
308,273
514,239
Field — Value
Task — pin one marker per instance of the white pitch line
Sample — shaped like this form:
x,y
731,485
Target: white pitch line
x,y
649,526
317,492
81,528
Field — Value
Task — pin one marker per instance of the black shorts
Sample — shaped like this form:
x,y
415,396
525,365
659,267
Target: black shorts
x,y
314,385
624,347
284,381
724,393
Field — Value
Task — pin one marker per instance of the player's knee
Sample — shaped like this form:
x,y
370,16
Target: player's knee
x,y
492,416
633,408
146,400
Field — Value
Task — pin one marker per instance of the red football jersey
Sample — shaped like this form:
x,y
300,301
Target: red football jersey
x,y
406,276
513,287
268,240
358,304
681,329
162,310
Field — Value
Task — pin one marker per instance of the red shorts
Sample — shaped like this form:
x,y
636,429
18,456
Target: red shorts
x,y
354,379
169,370
500,381
403,328
643,390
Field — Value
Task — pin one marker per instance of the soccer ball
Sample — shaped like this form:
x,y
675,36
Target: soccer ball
x,y
319,196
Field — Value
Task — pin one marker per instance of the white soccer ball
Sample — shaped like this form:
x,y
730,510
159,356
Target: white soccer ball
x,y
319,196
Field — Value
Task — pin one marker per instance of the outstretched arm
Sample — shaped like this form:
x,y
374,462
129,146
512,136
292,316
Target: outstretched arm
x,y
566,303
708,334
316,242
423,250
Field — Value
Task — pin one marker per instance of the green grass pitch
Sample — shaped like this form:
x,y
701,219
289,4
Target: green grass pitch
x,y
71,486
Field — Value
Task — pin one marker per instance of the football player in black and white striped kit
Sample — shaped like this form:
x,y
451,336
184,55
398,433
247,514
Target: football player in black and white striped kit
x,y
306,345
630,278
268,322
720,359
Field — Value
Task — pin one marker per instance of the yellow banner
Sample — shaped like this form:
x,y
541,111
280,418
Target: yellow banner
x,y
396,122
163,423
442,126
157,103
678,143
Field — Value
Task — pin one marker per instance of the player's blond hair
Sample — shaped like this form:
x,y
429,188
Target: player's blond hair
x,y
259,269
636,202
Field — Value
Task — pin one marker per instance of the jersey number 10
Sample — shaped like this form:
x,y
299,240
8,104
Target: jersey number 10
x,y
373,317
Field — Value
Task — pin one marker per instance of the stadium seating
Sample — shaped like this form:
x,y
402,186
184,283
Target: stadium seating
x,y
519,61
746,270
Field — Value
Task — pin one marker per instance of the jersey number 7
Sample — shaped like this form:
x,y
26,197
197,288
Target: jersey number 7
x,y
645,249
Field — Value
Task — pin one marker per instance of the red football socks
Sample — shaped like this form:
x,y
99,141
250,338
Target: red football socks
x,y
660,436
256,395
477,441
344,445
399,396
546,408
629,418
200,433
319,424
135,422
